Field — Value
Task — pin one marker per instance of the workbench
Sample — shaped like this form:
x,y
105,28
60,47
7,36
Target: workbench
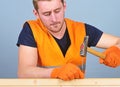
x,y
87,82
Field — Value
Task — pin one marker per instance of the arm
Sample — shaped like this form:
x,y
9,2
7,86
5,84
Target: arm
x,y
27,64
27,67
112,43
108,40
28,58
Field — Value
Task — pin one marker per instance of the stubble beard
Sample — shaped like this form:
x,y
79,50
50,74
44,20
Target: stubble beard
x,y
55,26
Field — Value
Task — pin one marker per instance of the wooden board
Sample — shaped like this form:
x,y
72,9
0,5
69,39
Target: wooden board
x,y
87,82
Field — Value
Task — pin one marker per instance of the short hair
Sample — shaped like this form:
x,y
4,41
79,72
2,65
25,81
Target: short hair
x,y
36,5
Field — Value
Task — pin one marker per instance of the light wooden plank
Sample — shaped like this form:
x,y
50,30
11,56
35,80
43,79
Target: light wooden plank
x,y
95,82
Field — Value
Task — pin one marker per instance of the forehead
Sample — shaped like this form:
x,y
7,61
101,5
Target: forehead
x,y
49,4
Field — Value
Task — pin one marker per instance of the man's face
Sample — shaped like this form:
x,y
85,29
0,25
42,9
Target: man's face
x,y
51,14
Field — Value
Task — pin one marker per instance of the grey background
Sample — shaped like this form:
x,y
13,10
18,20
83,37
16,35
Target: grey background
x,y
104,14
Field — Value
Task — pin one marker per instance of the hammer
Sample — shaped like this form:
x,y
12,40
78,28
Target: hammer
x,y
84,49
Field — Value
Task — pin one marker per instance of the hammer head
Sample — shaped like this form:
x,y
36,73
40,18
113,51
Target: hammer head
x,y
83,48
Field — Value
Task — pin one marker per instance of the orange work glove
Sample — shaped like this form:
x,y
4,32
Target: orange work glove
x,y
67,72
112,58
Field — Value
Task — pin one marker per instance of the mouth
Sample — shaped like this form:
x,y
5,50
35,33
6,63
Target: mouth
x,y
55,25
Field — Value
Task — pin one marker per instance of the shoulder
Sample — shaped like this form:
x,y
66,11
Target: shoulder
x,y
26,36
92,29
93,33
72,24
26,28
73,21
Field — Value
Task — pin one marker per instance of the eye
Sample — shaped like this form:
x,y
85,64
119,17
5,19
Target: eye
x,y
47,13
57,10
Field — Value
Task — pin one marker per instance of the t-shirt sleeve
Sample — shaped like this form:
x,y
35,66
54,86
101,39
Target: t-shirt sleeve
x,y
94,34
26,37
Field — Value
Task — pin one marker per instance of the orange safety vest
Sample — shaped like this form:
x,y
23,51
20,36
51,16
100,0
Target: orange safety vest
x,y
48,50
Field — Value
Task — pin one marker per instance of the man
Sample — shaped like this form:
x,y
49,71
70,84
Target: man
x,y
49,47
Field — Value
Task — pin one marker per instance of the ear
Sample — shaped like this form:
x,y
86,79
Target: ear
x,y
64,5
35,12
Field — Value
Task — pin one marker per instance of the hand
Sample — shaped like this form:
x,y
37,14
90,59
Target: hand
x,y
112,57
67,72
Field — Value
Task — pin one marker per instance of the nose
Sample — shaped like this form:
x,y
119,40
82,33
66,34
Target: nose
x,y
53,17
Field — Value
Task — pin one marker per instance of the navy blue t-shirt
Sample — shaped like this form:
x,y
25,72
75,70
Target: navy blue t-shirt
x,y
26,37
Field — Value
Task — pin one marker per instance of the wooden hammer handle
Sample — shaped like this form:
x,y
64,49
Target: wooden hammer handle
x,y
96,53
